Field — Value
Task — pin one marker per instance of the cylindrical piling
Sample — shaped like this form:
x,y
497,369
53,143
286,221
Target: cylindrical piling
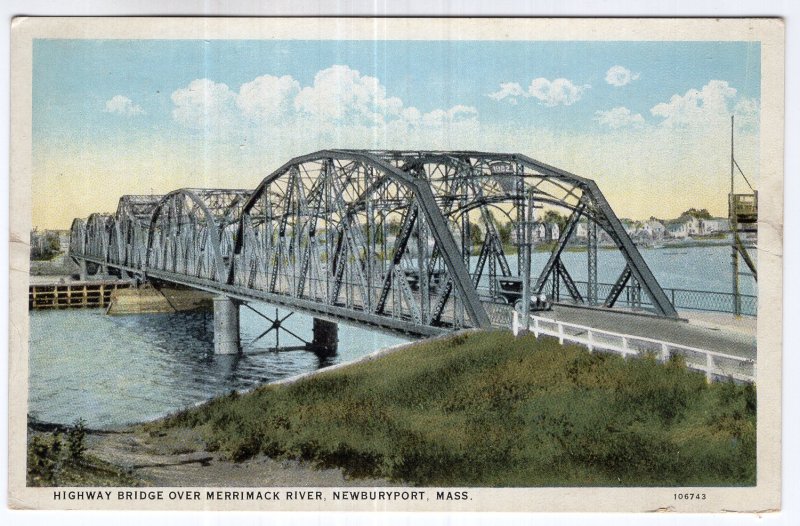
x,y
226,326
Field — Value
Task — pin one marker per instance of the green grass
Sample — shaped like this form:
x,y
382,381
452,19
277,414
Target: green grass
x,y
50,463
488,409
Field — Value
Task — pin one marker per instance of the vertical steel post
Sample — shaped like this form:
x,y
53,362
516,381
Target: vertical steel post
x,y
734,220
369,252
526,260
520,195
422,268
591,285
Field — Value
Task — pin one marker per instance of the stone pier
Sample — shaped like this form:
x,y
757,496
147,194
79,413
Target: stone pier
x,y
226,326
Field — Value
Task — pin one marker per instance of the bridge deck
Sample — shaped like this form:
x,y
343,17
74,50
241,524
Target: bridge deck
x,y
703,336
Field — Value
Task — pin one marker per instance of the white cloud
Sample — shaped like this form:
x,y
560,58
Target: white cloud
x,y
558,91
620,76
454,115
619,117
340,102
204,104
707,108
122,105
509,91
549,93
267,97
342,94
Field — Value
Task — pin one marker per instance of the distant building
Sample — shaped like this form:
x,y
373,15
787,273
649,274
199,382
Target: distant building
x,y
631,227
555,231
542,232
683,227
582,230
714,225
653,229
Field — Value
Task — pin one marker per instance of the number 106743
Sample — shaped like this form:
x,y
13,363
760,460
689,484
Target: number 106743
x,y
689,496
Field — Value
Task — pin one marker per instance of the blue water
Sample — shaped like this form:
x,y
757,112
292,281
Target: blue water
x,y
695,268
115,370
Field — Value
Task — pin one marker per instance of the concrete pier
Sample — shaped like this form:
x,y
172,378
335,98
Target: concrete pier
x,y
226,326
84,271
326,337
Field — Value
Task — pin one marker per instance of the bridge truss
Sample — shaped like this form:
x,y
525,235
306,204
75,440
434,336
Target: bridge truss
x,y
404,241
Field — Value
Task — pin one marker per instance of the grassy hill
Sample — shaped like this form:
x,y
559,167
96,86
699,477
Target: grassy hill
x,y
488,409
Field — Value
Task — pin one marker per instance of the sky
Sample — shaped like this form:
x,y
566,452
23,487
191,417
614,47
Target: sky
x,y
649,121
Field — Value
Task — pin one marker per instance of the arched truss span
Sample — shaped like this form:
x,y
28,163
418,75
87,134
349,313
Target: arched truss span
x,y
401,240
77,236
98,231
191,232
347,229
467,185
132,221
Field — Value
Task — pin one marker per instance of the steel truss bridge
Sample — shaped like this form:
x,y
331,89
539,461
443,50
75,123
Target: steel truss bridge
x,y
405,241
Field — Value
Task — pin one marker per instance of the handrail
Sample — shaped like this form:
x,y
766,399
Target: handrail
x,y
710,365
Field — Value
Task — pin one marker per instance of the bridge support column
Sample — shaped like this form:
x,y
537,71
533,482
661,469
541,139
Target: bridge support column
x,y
226,326
84,272
326,337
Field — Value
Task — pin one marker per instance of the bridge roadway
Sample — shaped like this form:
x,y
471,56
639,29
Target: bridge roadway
x,y
319,310
739,340
695,330
340,235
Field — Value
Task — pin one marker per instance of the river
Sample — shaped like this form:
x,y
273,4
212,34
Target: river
x,y
117,370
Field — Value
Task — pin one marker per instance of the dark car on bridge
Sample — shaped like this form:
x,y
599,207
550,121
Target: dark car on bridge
x,y
509,290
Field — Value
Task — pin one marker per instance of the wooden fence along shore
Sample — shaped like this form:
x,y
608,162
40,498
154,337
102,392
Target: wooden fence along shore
x,y
75,294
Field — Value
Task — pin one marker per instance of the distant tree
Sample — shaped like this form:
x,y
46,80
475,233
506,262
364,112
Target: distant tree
x,y
475,234
44,244
698,214
504,231
551,216
394,227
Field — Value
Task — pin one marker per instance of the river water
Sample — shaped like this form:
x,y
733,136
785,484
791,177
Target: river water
x,y
115,370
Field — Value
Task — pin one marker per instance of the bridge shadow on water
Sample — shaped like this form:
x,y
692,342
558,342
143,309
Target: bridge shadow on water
x,y
115,370
190,335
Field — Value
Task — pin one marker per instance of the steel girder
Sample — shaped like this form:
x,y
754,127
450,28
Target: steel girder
x,y
191,232
319,227
385,235
132,222
501,181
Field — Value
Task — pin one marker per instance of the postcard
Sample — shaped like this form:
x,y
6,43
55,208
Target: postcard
x,y
420,264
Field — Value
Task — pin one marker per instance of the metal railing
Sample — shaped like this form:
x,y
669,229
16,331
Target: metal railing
x,y
682,299
715,365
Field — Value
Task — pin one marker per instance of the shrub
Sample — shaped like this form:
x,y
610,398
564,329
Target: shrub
x,y
76,440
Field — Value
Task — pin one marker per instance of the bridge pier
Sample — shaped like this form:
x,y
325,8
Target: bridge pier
x,y
326,337
84,271
226,326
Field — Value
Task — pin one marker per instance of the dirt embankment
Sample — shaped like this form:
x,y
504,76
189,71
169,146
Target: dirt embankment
x,y
179,459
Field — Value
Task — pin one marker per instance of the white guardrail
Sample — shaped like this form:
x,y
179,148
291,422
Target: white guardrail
x,y
715,365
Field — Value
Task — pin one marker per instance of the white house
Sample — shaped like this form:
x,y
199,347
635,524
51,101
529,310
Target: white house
x,y
555,231
654,229
684,227
714,225
581,230
541,232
